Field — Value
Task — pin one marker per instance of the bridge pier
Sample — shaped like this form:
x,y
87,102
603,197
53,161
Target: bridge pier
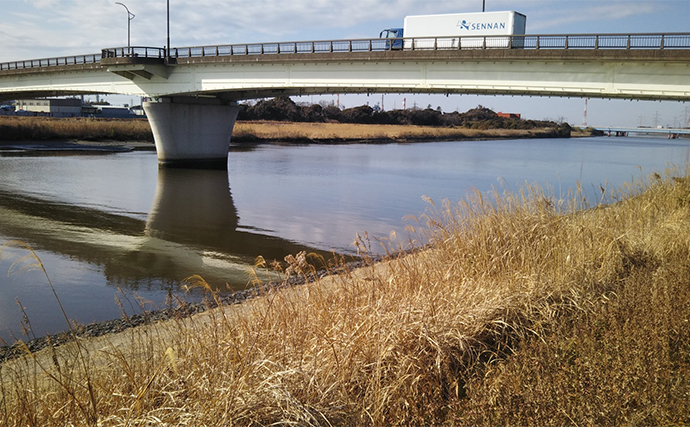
x,y
192,132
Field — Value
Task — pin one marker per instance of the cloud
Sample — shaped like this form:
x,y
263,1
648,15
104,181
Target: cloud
x,y
42,4
585,11
274,19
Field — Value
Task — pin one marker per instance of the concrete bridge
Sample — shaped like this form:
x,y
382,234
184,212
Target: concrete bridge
x,y
194,91
670,133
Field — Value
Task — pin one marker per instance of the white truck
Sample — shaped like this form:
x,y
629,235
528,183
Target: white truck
x,y
458,31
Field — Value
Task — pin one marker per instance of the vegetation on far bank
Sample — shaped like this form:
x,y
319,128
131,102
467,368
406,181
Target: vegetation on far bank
x,y
523,310
269,120
285,109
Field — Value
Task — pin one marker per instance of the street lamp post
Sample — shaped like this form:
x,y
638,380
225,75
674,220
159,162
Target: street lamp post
x,y
130,16
168,51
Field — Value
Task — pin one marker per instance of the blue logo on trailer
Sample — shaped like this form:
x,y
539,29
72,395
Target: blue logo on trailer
x,y
481,26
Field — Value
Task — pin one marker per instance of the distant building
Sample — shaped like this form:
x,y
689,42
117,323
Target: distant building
x,y
69,107
509,115
64,107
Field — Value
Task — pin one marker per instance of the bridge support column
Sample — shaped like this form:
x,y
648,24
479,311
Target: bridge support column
x,y
192,132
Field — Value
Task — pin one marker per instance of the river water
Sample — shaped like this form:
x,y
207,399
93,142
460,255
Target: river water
x,y
107,225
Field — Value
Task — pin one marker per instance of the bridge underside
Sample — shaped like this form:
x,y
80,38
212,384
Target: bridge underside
x,y
627,74
193,95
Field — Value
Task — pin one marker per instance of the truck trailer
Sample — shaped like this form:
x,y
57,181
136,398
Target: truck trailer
x,y
458,31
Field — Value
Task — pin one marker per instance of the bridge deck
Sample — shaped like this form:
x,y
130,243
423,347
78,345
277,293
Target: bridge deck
x,y
548,47
636,66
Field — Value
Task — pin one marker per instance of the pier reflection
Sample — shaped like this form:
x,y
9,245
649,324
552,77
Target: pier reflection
x,y
192,228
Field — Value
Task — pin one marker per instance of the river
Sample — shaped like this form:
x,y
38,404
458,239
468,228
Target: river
x,y
107,225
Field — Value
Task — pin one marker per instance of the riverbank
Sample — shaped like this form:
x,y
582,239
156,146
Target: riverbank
x,y
522,311
15,130
324,133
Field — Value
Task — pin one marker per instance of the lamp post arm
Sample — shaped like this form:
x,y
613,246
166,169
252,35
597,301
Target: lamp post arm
x,y
130,16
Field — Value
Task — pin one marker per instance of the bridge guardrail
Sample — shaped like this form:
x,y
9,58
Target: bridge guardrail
x,y
133,52
609,41
92,58
362,45
653,41
534,42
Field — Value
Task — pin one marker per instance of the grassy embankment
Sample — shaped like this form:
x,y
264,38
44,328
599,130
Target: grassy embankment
x,y
85,129
522,312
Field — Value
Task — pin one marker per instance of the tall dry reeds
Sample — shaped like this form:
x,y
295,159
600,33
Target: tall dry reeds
x,y
521,310
611,348
87,129
257,131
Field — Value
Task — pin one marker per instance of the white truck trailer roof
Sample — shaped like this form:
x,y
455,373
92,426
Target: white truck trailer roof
x,y
454,26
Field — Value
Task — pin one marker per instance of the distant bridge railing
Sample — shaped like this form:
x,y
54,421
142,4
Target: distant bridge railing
x,y
652,41
61,61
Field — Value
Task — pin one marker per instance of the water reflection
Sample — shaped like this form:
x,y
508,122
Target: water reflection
x,y
192,206
192,228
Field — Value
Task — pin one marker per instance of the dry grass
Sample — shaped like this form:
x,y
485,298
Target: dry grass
x,y
335,132
87,129
522,311
91,129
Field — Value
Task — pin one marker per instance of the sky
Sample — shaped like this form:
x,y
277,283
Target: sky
x,y
32,29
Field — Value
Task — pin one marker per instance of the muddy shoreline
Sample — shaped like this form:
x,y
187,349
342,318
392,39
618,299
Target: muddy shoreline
x,y
67,146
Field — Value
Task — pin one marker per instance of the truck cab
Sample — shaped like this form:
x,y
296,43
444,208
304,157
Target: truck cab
x,y
393,38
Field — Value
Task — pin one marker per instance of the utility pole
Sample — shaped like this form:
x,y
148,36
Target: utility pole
x,y
584,117
484,6
657,119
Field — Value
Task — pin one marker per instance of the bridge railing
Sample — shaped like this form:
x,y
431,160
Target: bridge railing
x,y
51,62
609,41
533,42
133,52
281,48
556,41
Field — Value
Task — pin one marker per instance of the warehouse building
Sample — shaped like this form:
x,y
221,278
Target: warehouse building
x,y
67,107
